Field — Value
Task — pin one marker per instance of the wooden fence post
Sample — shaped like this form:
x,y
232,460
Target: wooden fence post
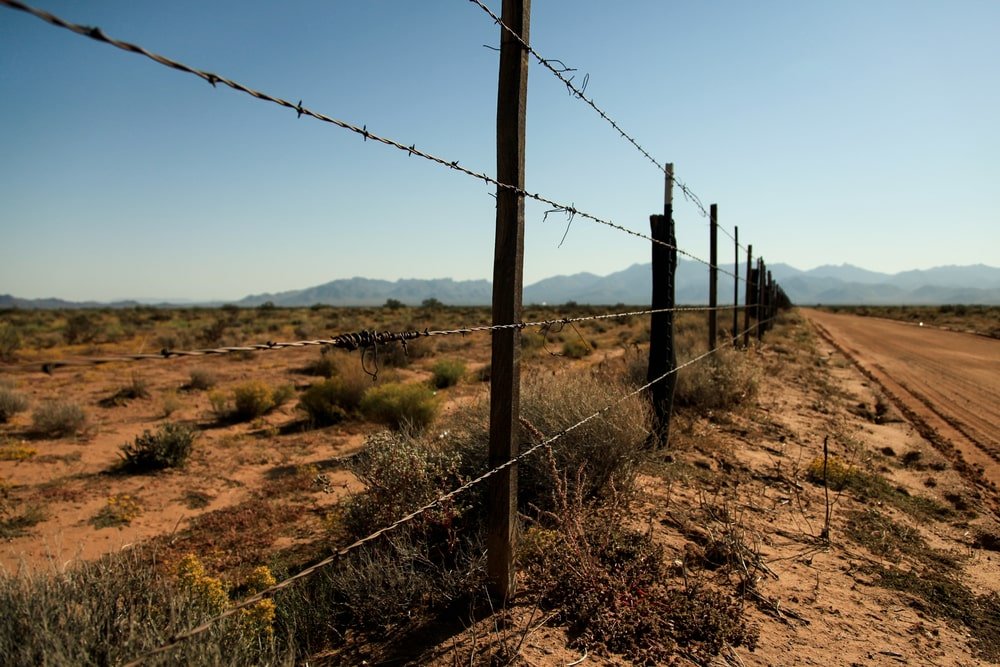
x,y
662,356
507,283
770,300
736,284
713,274
748,299
760,299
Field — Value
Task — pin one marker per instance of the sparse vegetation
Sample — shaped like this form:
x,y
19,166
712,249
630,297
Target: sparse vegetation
x,y
55,419
11,402
250,400
723,381
169,447
401,406
447,373
201,379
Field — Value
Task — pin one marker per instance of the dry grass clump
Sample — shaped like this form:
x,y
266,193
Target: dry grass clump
x,y
56,418
608,448
10,342
722,381
447,373
11,402
201,379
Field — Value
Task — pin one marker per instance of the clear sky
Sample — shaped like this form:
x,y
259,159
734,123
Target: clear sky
x,y
829,132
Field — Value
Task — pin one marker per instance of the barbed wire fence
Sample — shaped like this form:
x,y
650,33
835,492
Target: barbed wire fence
x,y
762,295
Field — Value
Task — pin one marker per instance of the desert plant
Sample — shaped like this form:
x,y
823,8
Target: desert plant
x,y
137,387
447,373
55,418
400,405
721,381
11,402
10,341
201,379
80,328
252,399
330,402
576,348
169,447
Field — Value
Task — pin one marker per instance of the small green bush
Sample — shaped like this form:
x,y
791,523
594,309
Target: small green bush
x,y
252,399
331,401
576,348
54,419
10,342
400,405
11,403
447,373
80,328
169,447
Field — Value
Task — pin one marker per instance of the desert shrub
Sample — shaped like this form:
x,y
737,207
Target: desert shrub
x,y
201,379
80,328
10,341
11,402
606,582
393,355
325,366
331,401
447,373
400,474
137,387
607,449
111,611
576,348
169,447
400,405
419,569
721,381
55,418
250,400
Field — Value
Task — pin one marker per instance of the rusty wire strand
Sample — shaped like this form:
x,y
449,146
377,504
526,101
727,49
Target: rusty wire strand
x,y
214,79
366,341
343,551
580,93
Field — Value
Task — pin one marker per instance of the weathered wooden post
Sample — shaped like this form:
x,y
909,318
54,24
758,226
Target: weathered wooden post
x,y
662,356
736,284
748,298
508,258
760,299
713,274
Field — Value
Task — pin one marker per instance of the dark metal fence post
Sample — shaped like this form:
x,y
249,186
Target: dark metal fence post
x,y
713,275
507,283
736,284
760,298
662,357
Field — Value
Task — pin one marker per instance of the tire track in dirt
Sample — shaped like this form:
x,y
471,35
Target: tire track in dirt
x,y
947,384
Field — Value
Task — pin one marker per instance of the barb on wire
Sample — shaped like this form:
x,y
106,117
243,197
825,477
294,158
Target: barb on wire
x,y
340,553
361,340
580,93
363,131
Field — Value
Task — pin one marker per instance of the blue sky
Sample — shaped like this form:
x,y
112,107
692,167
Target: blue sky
x,y
829,132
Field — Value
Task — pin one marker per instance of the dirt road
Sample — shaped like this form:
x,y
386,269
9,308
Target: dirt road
x,y
947,382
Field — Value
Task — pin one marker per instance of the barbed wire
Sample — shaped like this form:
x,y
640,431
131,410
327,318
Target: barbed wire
x,y
340,553
579,93
360,340
214,79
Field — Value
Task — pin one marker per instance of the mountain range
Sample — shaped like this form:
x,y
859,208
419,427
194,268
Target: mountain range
x,y
843,284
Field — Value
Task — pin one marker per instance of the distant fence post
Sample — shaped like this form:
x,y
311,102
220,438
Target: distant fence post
x,y
662,356
507,283
748,298
736,284
713,274
770,301
760,299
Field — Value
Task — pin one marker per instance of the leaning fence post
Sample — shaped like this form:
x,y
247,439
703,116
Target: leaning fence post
x,y
662,356
736,284
507,283
747,299
713,274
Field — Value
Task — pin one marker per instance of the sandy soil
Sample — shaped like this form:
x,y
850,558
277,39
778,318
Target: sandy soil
x,y
949,380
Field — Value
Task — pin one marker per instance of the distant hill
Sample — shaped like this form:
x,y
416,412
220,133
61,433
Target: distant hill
x,y
844,284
